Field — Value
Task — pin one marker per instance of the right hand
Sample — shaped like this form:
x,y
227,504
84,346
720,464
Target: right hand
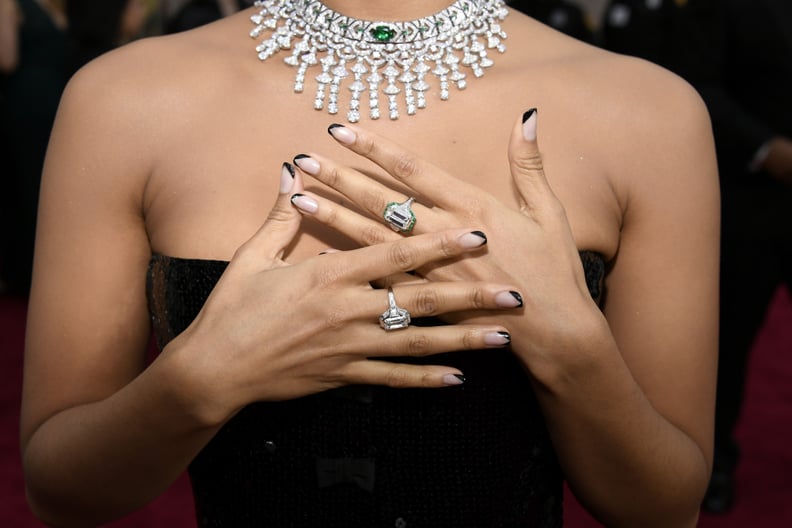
x,y
271,330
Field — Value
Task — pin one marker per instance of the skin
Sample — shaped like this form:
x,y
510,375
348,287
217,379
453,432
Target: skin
x,y
182,157
10,19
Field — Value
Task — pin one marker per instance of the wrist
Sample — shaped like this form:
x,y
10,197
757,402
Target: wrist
x,y
577,349
194,387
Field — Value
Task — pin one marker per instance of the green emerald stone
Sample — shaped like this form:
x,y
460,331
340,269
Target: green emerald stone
x,y
383,33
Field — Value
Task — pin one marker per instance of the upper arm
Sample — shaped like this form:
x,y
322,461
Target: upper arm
x,y
87,322
662,291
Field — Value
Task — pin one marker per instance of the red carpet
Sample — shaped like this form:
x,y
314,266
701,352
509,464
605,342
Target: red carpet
x,y
764,478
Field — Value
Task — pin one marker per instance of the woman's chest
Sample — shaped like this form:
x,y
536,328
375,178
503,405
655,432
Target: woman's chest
x,y
220,178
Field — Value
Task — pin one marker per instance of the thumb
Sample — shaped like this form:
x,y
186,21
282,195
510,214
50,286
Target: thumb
x,y
271,240
526,166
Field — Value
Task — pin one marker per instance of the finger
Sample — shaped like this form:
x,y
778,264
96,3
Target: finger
x,y
416,173
402,376
362,230
281,225
436,298
371,196
420,342
526,166
406,254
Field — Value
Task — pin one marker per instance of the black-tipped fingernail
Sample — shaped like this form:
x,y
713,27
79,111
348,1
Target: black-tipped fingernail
x,y
453,379
527,115
342,134
497,338
287,178
304,203
519,298
307,164
480,234
473,239
529,125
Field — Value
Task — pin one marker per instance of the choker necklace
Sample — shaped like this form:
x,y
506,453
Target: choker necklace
x,y
388,58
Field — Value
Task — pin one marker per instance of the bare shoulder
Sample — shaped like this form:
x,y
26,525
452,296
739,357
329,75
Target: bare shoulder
x,y
627,96
152,86
643,127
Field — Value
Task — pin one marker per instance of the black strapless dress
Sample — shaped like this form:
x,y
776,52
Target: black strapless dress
x,y
476,456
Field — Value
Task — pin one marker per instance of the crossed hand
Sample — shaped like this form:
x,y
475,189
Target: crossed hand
x,y
272,330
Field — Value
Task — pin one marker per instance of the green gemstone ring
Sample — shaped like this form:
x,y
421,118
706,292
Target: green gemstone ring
x,y
400,216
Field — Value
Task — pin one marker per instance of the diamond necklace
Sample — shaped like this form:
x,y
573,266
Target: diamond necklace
x,y
388,58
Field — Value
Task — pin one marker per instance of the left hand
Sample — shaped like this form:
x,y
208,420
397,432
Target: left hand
x,y
533,247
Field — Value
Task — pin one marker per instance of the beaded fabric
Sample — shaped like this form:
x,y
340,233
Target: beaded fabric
x,y
367,456
388,58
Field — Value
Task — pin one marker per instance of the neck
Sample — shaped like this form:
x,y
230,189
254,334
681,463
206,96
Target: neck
x,y
387,10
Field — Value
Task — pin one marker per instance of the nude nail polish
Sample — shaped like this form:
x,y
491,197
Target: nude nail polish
x,y
307,163
287,178
342,134
529,124
453,379
509,299
497,338
304,203
473,239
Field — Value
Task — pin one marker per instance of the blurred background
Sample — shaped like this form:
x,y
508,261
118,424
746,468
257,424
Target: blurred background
x,y
736,53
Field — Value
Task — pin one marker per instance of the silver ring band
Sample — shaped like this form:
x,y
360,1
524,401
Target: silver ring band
x,y
394,318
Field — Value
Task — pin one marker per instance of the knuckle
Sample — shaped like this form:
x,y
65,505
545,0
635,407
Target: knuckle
x,y
331,216
402,257
279,214
372,235
417,345
365,144
373,201
404,167
326,275
397,377
531,162
426,302
477,298
448,246
333,177
469,340
335,317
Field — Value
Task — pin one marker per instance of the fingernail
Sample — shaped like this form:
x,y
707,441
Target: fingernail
x,y
453,379
473,239
529,124
342,133
509,299
287,178
304,203
497,338
307,163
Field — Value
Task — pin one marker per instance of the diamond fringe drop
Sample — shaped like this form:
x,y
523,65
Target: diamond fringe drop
x,y
389,59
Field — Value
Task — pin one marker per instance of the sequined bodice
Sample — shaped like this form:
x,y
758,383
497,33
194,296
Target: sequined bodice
x,y
477,455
